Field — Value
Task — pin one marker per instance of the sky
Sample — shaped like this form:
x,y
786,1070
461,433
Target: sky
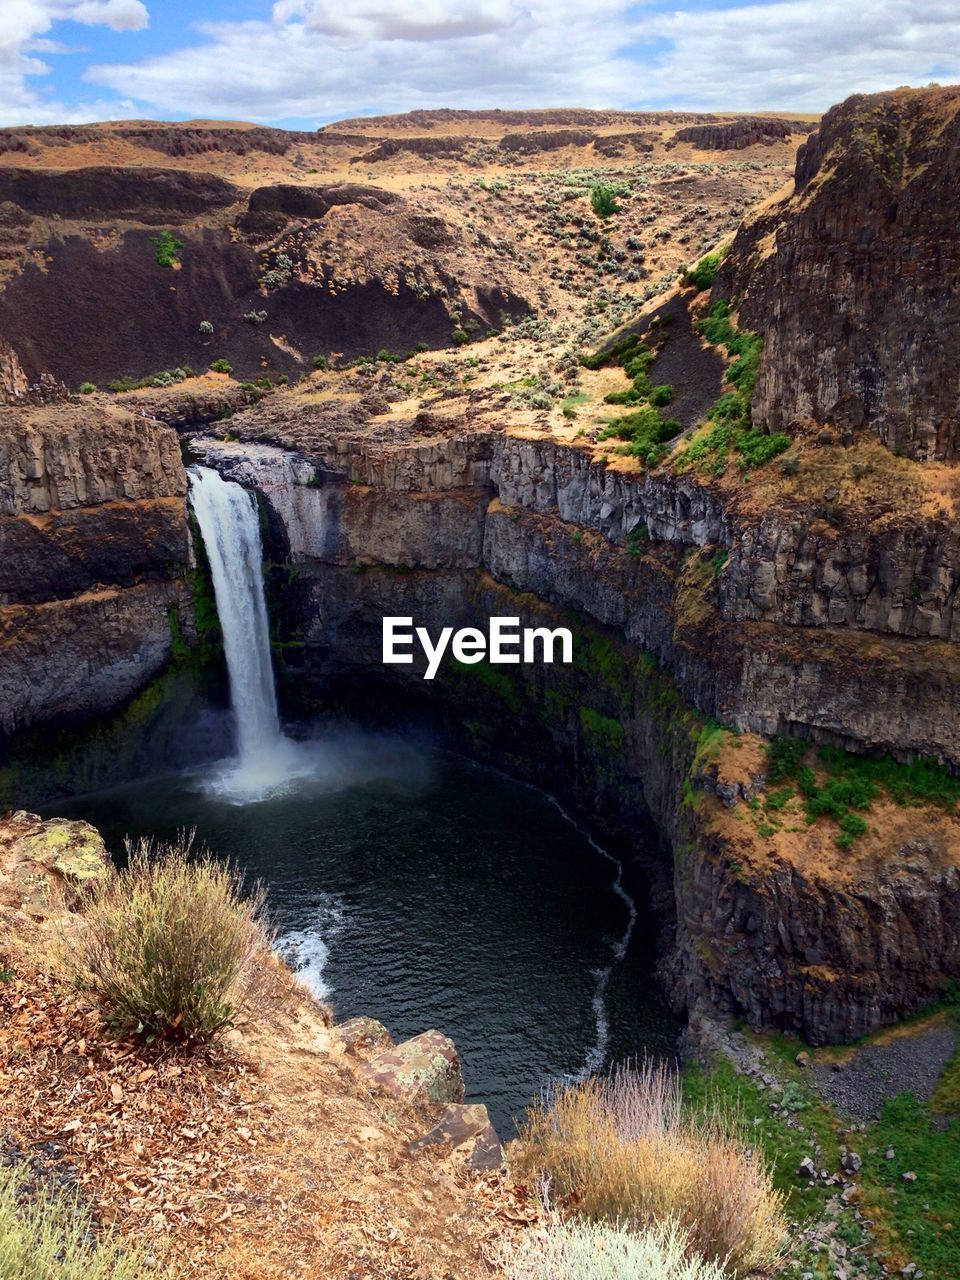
x,y
303,63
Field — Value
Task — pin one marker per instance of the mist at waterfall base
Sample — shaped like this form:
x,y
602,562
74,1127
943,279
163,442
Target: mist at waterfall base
x,y
407,884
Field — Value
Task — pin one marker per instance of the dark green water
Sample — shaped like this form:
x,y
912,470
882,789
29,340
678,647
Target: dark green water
x,y
430,892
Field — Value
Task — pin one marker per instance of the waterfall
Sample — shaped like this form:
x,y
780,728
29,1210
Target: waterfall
x,y
230,528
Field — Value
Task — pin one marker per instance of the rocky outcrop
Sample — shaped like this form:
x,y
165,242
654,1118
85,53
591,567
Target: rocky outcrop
x,y
734,135
13,381
341,268
94,558
834,950
177,140
851,278
153,196
270,208
45,867
546,140
442,148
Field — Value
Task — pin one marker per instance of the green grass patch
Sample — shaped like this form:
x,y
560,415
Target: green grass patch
x,y
841,785
735,1096
701,275
922,1217
167,249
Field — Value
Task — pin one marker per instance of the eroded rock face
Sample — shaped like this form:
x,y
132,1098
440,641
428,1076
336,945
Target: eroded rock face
x,y
94,556
851,280
158,196
734,135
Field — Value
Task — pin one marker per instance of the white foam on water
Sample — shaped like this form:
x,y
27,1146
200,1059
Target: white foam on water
x,y
307,950
597,1053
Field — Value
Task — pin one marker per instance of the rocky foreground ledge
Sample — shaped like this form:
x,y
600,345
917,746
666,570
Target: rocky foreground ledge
x,y
291,1141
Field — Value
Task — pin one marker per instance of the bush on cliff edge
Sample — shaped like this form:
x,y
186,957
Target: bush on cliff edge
x,y
623,1151
172,948
594,1251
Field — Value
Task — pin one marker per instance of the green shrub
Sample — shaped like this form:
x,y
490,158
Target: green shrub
x,y
637,539
576,1250
784,756
702,274
851,826
730,414
756,448
459,337
171,948
645,432
603,201
854,782
661,395
167,249
221,366
86,388
49,1235
319,362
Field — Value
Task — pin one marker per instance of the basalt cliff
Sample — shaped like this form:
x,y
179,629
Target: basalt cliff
x,y
786,576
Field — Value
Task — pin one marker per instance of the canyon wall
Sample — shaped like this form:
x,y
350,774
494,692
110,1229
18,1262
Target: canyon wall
x,y
451,531
94,558
852,278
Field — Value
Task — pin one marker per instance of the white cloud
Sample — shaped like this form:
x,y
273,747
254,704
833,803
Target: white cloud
x,y
318,60
805,54
23,26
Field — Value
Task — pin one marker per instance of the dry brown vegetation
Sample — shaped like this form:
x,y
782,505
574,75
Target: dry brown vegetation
x,y
623,1150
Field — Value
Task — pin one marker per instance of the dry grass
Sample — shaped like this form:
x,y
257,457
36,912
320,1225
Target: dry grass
x,y
48,1235
595,1251
622,1150
172,948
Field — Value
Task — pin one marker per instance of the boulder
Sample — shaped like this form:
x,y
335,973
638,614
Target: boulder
x,y
487,1153
423,1069
48,864
362,1034
457,1125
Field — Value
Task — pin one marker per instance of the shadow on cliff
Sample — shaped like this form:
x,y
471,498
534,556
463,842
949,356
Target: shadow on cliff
x,y
94,315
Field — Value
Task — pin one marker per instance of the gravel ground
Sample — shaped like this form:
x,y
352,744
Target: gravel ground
x,y
906,1064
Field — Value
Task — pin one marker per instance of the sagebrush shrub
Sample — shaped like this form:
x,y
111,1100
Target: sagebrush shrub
x,y
624,1151
49,1236
577,1250
172,947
